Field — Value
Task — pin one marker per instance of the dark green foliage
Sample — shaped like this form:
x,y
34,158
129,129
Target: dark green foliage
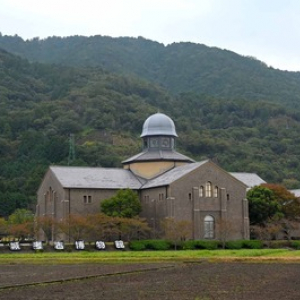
x,y
151,245
137,245
180,67
252,244
200,244
295,245
232,119
234,244
124,204
262,205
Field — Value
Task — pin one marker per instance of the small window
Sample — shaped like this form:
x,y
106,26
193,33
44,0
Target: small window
x,y
161,196
201,191
228,198
190,196
87,199
209,227
216,192
208,189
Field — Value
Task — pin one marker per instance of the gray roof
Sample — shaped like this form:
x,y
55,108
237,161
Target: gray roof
x,y
106,178
249,179
172,175
170,155
159,124
97,178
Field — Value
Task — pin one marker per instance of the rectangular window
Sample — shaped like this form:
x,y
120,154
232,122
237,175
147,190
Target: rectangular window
x,y
161,197
216,192
190,196
208,189
201,191
209,227
87,199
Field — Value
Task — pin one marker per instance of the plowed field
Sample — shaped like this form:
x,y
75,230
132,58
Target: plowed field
x,y
201,281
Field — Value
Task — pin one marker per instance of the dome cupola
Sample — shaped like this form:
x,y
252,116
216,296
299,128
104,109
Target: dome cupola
x,y
159,154
159,125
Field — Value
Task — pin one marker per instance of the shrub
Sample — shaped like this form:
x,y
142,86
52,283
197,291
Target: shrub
x,y
137,245
252,244
234,244
295,245
188,245
150,245
158,245
208,245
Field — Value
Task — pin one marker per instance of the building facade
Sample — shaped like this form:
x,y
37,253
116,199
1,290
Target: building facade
x,y
169,185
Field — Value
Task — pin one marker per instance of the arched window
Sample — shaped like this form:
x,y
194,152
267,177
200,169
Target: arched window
x,y
208,189
201,191
209,227
216,192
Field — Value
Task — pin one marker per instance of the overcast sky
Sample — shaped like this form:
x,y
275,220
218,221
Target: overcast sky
x,y
266,29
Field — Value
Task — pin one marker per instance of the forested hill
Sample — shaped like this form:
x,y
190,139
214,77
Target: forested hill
x,y
41,105
179,67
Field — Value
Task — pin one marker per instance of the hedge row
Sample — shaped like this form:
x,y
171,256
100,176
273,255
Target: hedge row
x,y
194,245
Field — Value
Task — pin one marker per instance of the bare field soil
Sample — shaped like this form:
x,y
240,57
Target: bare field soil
x,y
197,281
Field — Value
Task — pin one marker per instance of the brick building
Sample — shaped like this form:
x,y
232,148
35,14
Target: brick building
x,y
168,183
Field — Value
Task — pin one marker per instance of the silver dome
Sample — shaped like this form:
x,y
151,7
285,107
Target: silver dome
x,y
159,124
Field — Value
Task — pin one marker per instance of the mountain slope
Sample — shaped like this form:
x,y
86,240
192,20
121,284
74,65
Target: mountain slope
x,y
179,67
41,105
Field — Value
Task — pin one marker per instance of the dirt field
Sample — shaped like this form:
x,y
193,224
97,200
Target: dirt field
x,y
197,281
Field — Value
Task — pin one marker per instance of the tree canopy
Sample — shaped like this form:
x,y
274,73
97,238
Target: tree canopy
x,y
262,205
43,104
271,202
125,204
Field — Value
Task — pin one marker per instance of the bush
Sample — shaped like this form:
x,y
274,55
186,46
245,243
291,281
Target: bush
x,y
234,244
137,245
158,245
208,245
150,245
295,245
252,244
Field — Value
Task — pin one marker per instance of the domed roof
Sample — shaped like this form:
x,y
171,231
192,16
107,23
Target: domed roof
x,y
159,124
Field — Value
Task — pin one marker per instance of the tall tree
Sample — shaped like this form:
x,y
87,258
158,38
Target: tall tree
x,y
289,203
262,205
125,204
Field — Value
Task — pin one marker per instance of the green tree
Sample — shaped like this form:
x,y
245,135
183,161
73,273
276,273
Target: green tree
x,y
21,223
125,204
262,205
20,216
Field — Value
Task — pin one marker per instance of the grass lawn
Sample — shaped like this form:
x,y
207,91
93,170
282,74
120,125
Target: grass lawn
x,y
243,255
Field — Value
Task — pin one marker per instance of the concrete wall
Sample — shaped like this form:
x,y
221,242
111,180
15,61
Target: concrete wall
x,y
182,201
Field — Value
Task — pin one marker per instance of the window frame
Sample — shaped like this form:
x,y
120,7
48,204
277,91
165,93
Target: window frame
x,y
209,227
208,189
